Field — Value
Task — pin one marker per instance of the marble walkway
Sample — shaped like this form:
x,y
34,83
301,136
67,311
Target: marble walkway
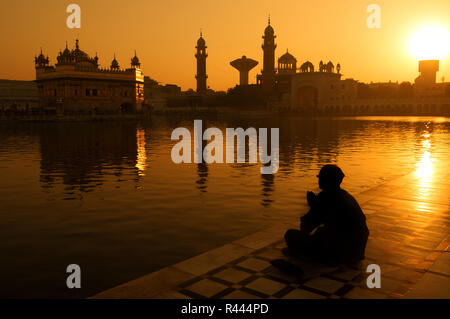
x,y
409,223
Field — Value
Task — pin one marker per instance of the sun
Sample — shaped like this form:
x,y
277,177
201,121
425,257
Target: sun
x,y
430,43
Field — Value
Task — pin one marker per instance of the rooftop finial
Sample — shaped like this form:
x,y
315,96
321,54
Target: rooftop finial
x,y
76,44
201,33
269,18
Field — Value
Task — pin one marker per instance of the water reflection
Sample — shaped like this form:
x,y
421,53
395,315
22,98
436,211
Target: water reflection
x,y
424,170
267,189
141,162
202,168
102,164
84,156
202,171
81,155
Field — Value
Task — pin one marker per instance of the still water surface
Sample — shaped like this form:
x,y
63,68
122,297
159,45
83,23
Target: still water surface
x,y
108,197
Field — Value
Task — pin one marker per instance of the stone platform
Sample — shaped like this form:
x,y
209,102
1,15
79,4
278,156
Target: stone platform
x,y
409,223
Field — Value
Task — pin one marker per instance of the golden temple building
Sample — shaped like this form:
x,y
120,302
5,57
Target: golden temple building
x,y
76,84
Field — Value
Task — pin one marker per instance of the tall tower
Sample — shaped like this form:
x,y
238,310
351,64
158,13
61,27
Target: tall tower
x,y
201,65
268,72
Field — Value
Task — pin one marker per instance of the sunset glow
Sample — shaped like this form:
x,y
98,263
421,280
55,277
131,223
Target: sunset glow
x,y
430,42
194,153
165,38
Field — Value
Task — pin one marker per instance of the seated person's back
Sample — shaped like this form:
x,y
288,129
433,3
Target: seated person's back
x,y
343,229
334,230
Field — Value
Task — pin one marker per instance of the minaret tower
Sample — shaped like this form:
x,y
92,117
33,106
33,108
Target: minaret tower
x,y
269,46
201,65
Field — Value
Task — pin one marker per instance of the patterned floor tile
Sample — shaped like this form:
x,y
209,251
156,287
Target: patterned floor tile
x,y
359,293
266,286
425,243
431,286
442,265
302,294
345,274
254,264
271,254
324,284
206,288
233,275
283,277
239,294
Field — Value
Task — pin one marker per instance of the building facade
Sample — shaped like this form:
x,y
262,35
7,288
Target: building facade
x,y
18,97
322,91
77,84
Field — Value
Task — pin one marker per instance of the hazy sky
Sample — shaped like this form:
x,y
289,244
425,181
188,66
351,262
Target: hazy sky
x,y
165,32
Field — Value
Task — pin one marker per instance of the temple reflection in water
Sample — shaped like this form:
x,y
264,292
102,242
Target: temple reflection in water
x,y
83,160
80,155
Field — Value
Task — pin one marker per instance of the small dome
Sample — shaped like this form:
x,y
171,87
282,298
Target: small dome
x,y
115,64
41,56
78,53
66,50
287,58
307,67
201,42
41,60
135,60
269,30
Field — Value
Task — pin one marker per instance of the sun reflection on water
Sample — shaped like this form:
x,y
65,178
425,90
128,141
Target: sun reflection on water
x,y
141,161
424,170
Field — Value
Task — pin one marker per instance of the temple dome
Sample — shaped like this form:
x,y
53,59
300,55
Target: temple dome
x,y
135,61
115,64
76,56
41,60
287,58
79,53
66,51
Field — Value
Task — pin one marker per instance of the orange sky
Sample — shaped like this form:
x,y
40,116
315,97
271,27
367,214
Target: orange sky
x,y
164,34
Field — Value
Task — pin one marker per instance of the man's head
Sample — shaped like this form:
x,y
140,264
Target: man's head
x,y
330,177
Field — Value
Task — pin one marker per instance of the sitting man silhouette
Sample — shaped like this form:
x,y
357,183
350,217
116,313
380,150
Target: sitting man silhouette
x,y
334,230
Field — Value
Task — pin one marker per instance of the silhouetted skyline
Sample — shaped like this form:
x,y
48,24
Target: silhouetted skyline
x,y
164,33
